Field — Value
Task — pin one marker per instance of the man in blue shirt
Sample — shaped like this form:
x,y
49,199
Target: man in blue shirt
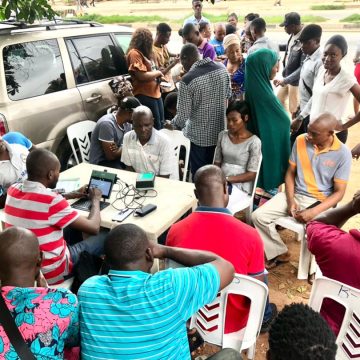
x,y
197,18
217,40
133,314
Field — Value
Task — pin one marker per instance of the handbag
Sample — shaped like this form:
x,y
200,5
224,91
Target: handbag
x,y
13,333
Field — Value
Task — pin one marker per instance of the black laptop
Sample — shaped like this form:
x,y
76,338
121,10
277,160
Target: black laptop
x,y
103,181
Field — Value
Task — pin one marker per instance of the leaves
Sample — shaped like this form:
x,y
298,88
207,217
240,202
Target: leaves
x,y
26,10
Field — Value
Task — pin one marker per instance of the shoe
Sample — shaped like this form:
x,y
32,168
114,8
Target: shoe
x,y
265,327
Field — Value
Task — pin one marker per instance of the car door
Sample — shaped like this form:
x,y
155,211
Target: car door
x,y
96,59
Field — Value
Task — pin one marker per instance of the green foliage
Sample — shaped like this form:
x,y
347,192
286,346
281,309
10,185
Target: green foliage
x,y
327,7
26,10
125,19
354,18
304,18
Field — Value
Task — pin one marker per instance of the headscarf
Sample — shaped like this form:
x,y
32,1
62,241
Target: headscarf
x,y
230,40
269,120
340,42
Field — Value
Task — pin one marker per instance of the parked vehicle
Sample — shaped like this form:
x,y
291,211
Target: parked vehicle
x,y
55,74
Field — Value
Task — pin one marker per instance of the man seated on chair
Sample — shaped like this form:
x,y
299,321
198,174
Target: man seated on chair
x,y
337,253
212,227
135,307
12,166
300,333
32,205
47,319
315,181
107,137
146,149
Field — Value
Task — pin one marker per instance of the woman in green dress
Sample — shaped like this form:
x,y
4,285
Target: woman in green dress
x,y
269,120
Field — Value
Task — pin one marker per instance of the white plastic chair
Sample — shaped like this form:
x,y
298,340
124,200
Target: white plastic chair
x,y
178,139
307,264
81,132
348,339
210,320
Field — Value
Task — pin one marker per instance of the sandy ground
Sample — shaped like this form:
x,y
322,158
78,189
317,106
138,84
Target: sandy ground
x,y
283,284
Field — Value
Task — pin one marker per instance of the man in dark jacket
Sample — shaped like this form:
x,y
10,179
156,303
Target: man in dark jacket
x,y
292,63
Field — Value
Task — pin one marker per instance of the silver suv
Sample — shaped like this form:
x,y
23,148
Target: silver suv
x,y
55,74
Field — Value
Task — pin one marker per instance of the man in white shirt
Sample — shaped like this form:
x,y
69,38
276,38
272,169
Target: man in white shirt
x,y
197,18
147,150
12,166
310,40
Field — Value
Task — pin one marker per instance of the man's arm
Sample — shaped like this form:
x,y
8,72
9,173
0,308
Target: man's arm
x,y
91,224
183,107
196,257
290,189
338,216
111,151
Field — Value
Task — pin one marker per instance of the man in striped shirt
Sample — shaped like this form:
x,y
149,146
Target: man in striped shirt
x,y
132,314
34,206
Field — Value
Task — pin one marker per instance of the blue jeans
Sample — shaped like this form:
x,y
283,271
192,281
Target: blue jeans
x,y
200,156
267,313
157,108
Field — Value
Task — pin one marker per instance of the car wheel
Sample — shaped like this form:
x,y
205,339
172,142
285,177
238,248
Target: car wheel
x,y
66,156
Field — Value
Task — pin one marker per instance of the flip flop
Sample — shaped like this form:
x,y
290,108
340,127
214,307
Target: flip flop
x,y
275,262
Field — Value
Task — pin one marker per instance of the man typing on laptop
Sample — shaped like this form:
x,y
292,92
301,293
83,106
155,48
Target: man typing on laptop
x,y
34,206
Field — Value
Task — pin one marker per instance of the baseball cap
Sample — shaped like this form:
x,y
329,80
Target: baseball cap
x,y
129,103
292,18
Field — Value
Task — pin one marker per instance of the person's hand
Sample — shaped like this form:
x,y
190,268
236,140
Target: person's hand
x,y
158,74
356,202
158,251
295,125
278,82
168,125
95,194
340,126
41,281
292,208
113,147
305,216
355,152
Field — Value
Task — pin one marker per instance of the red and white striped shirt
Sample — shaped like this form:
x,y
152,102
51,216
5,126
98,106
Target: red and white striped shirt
x,y
32,206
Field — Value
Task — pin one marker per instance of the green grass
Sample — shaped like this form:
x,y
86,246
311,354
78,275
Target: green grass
x,y
327,7
354,18
126,19
304,19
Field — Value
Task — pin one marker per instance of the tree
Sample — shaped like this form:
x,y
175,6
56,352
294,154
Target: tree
x,y
26,10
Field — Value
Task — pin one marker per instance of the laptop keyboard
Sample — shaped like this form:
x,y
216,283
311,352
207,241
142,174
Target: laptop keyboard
x,y
85,205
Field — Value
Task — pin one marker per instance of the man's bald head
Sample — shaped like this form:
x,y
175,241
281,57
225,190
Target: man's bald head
x,y
143,123
211,187
19,251
219,31
321,130
140,112
39,163
326,122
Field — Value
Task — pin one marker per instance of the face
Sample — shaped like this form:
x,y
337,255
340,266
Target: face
x,y
232,20
289,29
197,7
274,70
253,33
143,126
318,135
309,46
192,37
186,62
235,121
331,57
206,33
165,38
220,33
54,176
233,52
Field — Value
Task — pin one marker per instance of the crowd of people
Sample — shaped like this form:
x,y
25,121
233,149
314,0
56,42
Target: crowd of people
x,y
251,131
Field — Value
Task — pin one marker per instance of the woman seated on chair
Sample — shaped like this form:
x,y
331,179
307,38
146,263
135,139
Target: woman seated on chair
x,y
238,153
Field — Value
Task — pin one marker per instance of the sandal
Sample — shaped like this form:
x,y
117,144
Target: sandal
x,y
281,259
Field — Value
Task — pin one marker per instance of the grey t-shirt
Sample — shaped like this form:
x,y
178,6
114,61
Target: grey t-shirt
x,y
108,130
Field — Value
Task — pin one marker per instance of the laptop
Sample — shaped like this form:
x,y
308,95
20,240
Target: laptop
x,y
103,181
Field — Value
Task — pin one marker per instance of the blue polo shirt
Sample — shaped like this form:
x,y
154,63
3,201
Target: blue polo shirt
x,y
136,315
218,46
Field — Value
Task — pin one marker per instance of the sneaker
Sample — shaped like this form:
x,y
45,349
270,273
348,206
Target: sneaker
x,y
265,327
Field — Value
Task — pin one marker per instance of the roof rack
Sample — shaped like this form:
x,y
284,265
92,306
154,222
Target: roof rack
x,y
18,26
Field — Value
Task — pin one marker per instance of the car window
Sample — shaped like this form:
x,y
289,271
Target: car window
x,y
96,58
123,41
33,68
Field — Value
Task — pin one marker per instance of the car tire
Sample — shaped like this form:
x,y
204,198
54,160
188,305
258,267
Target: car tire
x,y
66,156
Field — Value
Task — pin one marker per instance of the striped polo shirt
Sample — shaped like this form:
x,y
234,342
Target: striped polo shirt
x,y
317,171
32,206
136,315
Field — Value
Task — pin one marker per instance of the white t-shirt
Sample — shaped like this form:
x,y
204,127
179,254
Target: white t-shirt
x,y
332,97
13,170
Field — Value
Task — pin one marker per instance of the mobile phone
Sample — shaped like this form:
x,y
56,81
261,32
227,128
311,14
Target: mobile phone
x,y
145,210
316,203
122,215
165,84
